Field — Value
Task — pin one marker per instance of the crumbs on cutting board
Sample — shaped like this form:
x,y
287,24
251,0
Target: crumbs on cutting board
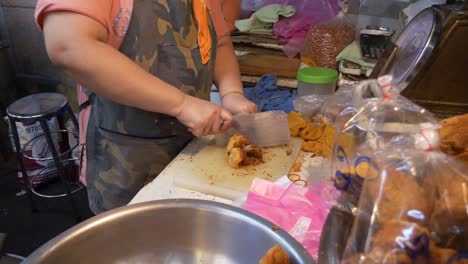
x,y
288,150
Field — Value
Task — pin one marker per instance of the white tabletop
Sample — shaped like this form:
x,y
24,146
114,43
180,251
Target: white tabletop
x,y
163,187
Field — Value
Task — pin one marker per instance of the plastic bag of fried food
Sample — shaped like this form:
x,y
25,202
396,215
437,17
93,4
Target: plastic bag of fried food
x,y
414,209
317,135
454,137
376,123
318,116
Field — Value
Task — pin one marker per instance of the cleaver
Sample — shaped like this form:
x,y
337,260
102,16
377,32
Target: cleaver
x,y
264,129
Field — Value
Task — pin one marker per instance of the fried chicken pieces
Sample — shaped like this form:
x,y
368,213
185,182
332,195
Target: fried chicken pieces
x,y
454,137
239,152
450,217
318,136
399,196
401,242
275,255
415,219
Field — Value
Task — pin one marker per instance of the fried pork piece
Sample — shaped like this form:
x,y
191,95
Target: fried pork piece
x,y
236,157
395,257
441,255
400,242
236,141
449,222
463,158
318,139
398,256
320,119
240,152
296,123
313,146
254,152
454,137
399,197
275,255
313,132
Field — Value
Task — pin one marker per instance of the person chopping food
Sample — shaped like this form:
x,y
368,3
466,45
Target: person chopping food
x,y
145,70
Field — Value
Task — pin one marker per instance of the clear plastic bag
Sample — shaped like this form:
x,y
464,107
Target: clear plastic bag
x,y
449,220
413,210
310,105
343,104
373,125
325,41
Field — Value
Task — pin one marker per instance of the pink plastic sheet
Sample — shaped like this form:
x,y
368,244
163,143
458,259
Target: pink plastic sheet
x,y
301,211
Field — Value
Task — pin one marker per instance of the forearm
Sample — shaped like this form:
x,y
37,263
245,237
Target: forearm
x,y
110,74
227,73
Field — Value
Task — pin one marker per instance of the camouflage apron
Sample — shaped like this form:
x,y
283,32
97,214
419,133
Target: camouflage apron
x,y
126,146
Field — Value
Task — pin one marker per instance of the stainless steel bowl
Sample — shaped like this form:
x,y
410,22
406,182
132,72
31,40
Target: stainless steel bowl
x,y
170,231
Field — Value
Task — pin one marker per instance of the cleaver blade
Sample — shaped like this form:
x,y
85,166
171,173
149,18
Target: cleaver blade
x,y
264,129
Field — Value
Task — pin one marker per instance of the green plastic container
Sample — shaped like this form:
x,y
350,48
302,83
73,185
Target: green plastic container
x,y
316,80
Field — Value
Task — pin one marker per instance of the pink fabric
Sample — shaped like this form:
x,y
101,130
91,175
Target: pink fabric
x,y
83,124
301,211
293,31
293,27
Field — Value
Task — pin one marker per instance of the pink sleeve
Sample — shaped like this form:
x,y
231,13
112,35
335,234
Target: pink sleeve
x,y
99,10
217,16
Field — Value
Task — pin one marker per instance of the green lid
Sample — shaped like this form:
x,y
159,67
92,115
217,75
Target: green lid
x,y
317,75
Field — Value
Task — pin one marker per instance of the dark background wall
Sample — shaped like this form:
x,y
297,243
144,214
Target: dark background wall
x,y
24,66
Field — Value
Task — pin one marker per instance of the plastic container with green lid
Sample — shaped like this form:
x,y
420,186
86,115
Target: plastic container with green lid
x,y
316,80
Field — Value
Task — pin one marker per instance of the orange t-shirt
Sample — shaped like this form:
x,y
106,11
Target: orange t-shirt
x,y
114,14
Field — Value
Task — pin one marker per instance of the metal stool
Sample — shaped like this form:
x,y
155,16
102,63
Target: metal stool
x,y
6,258
40,108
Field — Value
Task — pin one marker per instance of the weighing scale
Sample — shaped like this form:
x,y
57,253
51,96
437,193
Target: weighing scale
x,y
429,59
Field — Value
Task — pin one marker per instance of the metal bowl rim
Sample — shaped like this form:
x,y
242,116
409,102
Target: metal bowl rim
x,y
266,226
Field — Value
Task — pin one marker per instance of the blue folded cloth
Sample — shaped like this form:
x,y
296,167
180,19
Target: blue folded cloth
x,y
267,96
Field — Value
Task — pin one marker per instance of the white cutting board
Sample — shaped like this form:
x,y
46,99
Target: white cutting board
x,y
201,167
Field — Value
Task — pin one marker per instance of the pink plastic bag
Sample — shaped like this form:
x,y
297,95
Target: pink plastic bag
x,y
301,211
293,30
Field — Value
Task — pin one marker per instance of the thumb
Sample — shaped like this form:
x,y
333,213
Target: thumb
x,y
227,120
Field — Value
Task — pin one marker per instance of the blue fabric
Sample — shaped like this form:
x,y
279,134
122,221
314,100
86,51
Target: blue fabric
x,y
267,96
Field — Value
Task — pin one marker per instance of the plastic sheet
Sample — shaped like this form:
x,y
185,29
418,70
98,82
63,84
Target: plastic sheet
x,y
310,105
301,211
378,122
339,107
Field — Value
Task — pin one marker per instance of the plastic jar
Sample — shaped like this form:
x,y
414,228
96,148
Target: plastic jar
x,y
316,80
